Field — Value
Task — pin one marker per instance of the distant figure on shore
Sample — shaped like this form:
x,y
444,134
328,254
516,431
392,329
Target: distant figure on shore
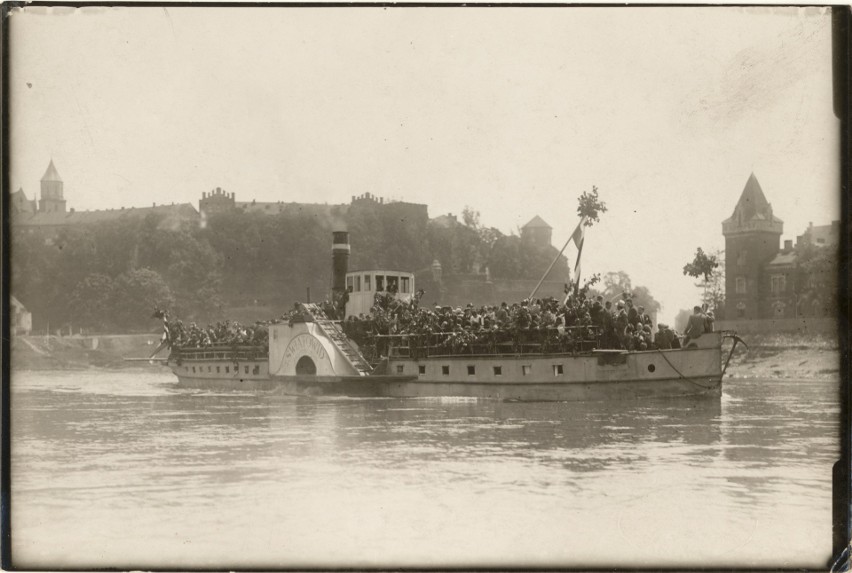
x,y
695,326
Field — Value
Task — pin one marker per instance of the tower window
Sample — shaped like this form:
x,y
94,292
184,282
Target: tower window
x,y
741,285
778,284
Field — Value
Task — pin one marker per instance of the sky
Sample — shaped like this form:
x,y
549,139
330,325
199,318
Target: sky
x,y
512,111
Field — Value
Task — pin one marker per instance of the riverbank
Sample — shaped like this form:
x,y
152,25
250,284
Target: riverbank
x,y
81,352
792,356
768,356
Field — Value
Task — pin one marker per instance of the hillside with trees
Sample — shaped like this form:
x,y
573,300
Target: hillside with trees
x,y
110,276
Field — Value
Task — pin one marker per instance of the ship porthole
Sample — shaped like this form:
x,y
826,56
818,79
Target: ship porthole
x,y
651,367
306,366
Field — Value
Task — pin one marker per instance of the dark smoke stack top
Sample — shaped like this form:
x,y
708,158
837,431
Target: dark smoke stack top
x,y
339,260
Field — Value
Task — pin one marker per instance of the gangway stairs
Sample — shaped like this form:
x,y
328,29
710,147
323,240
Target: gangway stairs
x,y
340,341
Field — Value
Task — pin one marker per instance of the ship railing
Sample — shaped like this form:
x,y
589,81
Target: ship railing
x,y
578,339
234,353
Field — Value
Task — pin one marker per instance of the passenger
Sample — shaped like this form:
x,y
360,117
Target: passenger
x,y
643,317
632,313
607,326
695,326
647,338
663,340
629,341
621,323
708,321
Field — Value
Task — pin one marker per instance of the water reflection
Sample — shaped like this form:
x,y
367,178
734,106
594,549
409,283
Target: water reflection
x,y
118,462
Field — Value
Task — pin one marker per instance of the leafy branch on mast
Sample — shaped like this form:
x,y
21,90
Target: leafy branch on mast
x,y
591,207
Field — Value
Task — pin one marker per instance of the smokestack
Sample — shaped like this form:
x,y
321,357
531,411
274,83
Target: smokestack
x,y
339,260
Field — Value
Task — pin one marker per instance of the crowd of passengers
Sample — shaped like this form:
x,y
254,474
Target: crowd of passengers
x,y
229,333
578,324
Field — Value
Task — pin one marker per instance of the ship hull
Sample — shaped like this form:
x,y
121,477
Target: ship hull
x,y
556,377
536,391
591,376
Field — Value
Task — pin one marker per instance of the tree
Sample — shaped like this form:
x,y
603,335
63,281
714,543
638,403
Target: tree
x,y
616,284
702,265
710,268
91,302
136,293
642,297
470,217
590,206
816,281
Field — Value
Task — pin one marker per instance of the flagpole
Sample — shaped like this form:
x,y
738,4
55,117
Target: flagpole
x,y
550,268
582,241
577,267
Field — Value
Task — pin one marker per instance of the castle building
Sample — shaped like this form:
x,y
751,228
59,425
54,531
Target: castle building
x,y
49,214
217,201
19,203
764,280
537,232
220,201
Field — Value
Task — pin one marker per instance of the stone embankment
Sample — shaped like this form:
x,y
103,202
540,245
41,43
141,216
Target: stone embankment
x,y
795,356
80,352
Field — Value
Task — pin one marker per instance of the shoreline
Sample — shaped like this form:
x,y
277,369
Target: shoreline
x,y
769,356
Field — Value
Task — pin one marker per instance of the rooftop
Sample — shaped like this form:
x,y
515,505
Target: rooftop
x,y
56,219
783,258
536,223
51,174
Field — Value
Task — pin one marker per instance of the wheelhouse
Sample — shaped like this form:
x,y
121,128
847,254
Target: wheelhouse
x,y
364,285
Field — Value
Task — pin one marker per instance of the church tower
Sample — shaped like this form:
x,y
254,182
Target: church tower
x,y
752,239
52,200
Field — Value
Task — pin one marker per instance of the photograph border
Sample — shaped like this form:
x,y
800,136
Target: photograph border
x,y
842,73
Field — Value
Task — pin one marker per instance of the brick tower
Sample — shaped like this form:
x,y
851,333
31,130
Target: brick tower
x,y
752,239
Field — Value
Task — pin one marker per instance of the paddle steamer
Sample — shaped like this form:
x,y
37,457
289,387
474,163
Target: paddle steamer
x,y
311,355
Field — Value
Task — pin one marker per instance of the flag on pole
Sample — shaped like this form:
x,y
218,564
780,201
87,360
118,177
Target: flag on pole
x,y
578,237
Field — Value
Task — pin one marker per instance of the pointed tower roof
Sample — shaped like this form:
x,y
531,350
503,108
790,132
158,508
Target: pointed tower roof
x,y
752,209
51,174
752,200
536,223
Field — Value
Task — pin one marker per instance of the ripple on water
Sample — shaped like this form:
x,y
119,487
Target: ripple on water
x,y
111,461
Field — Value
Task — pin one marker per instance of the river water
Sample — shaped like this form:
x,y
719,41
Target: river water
x,y
124,469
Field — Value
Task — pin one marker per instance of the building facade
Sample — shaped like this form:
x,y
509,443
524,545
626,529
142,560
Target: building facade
x,y
50,213
764,280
